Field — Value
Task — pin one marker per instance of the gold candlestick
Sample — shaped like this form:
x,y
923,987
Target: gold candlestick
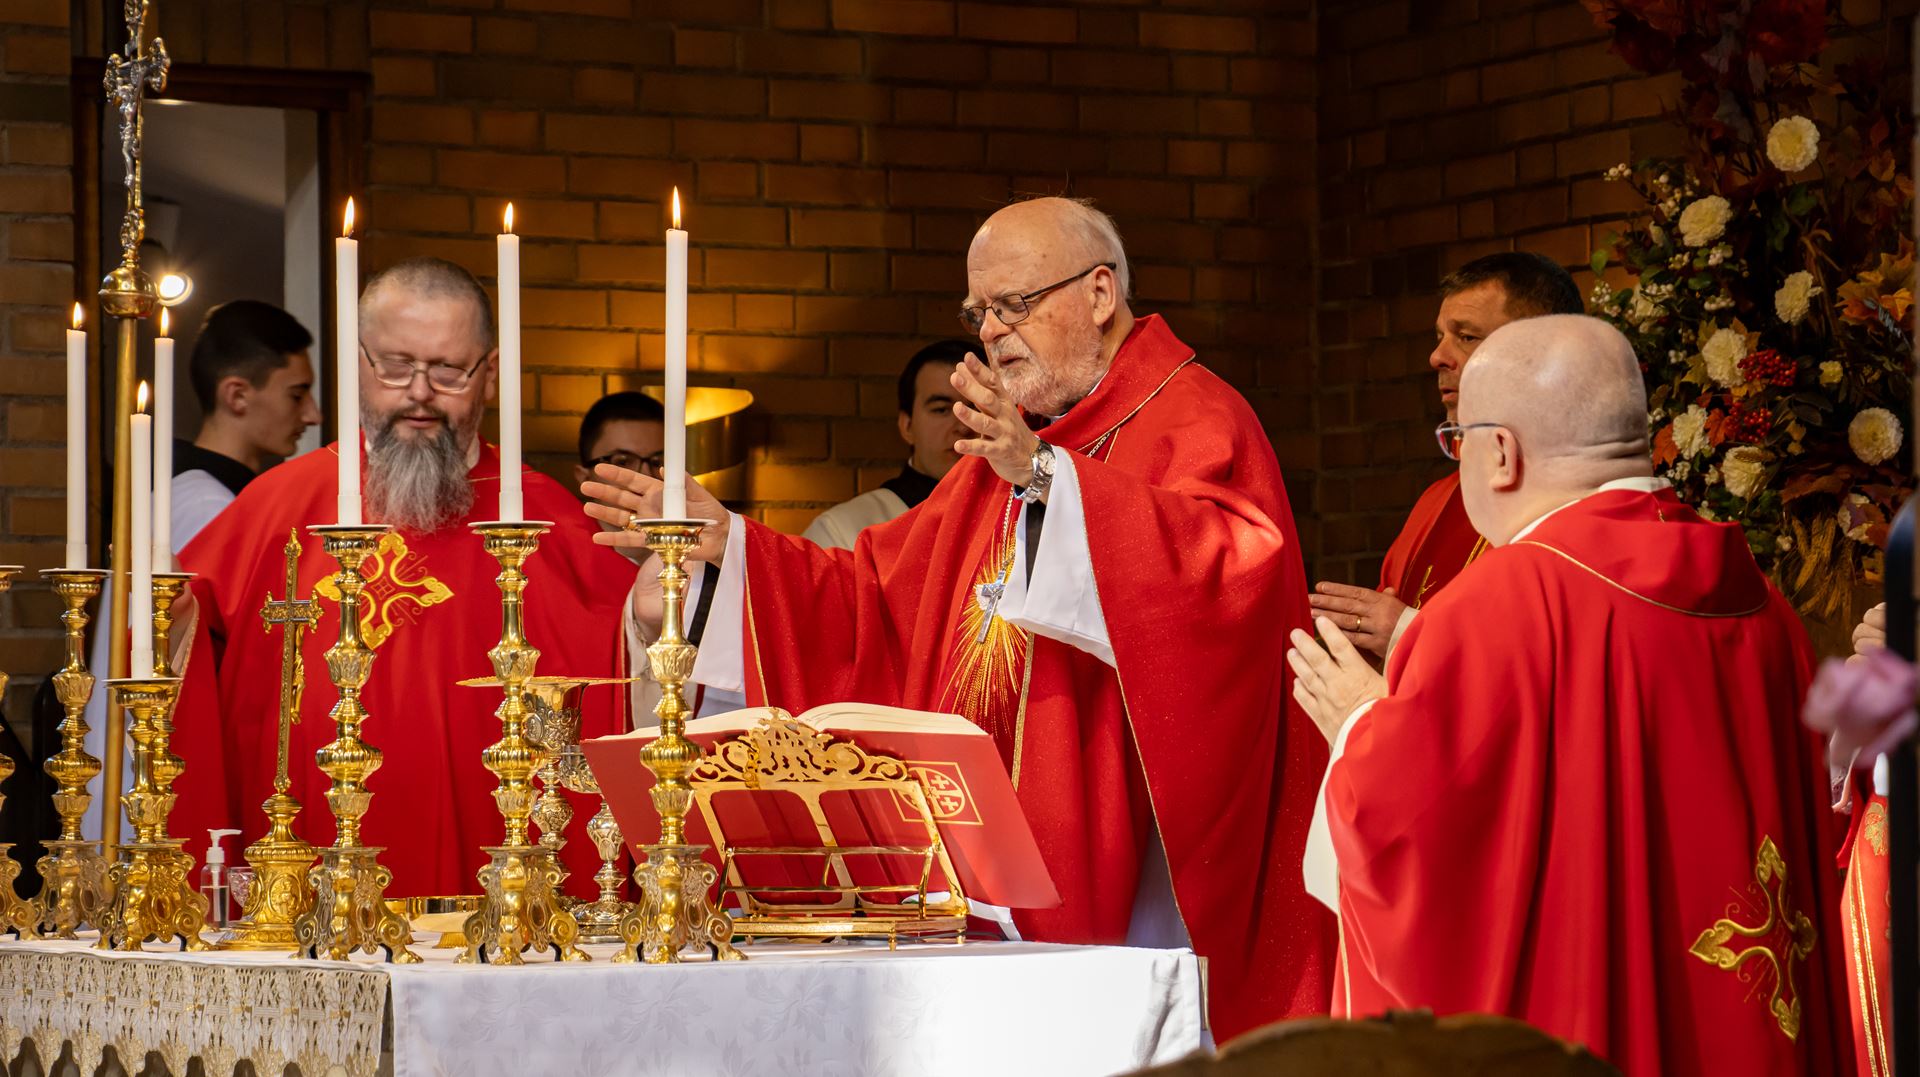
x,y
349,884
16,915
673,913
152,897
523,907
280,860
167,589
73,873
556,707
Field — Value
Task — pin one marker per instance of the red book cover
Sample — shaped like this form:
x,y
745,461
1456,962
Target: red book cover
x,y
979,818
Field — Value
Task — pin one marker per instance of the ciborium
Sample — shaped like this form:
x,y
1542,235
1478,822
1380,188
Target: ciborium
x,y
674,913
524,908
16,915
349,884
73,873
152,896
556,728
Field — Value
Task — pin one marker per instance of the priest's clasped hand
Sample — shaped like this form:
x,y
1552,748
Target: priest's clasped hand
x,y
1003,436
1330,682
1366,616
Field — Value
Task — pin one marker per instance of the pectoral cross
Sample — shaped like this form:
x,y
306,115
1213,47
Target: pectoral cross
x,y
988,596
295,616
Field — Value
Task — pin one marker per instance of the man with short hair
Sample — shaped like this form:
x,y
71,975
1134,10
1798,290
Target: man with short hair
x,y
625,429
432,608
1438,541
1098,596
1580,795
928,426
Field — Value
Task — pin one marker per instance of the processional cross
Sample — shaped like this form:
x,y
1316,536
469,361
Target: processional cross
x,y
295,616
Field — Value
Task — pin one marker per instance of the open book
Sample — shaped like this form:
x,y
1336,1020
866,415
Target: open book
x,y
977,815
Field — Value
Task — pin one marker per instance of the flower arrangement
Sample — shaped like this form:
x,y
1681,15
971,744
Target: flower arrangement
x,y
1766,287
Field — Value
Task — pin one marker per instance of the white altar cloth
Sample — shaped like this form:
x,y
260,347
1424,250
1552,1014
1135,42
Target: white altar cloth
x,y
792,1009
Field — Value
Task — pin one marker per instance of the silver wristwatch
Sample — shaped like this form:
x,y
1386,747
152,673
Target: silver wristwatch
x,y
1041,463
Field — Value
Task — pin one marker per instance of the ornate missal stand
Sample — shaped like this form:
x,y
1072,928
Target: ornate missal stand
x,y
16,915
523,907
73,874
673,913
280,860
152,896
349,883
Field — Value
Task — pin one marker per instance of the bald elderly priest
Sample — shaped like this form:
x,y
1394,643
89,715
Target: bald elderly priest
x,y
433,610
1123,653
1581,796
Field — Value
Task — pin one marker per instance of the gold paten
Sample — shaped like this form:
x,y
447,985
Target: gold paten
x,y
16,915
521,880
152,896
280,860
73,873
349,883
673,913
783,753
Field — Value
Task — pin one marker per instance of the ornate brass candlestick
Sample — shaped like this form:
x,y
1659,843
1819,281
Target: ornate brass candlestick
x,y
167,588
556,727
73,874
349,884
152,897
16,915
280,860
673,913
522,880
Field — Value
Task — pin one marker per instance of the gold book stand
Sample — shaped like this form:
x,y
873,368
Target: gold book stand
x,y
783,754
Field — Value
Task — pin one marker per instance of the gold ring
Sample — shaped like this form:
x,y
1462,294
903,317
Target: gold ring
x,y
633,522
1356,624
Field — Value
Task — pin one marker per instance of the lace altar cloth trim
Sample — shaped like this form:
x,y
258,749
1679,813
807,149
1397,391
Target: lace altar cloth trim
x,y
221,1009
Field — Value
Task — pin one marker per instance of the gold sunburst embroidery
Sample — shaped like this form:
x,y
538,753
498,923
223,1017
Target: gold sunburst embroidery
x,y
1784,937
984,682
398,588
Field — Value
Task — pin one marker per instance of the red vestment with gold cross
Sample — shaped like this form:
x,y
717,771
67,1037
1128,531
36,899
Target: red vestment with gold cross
x,y
431,613
1199,577
1588,803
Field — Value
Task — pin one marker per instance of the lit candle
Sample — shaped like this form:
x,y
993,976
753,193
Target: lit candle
x,y
511,506
346,371
673,505
76,444
163,448
140,613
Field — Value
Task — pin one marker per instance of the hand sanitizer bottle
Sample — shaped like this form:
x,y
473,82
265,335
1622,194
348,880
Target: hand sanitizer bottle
x,y
213,879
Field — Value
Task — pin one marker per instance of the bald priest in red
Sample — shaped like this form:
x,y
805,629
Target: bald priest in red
x,y
1580,796
432,609
1438,541
1107,598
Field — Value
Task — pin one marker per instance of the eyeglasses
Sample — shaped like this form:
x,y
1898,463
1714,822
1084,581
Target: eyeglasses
x,y
649,465
1450,435
443,377
1013,309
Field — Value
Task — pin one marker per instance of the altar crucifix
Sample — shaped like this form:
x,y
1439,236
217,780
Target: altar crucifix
x,y
295,616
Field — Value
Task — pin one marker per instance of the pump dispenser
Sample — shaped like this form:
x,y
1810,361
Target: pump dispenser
x,y
213,879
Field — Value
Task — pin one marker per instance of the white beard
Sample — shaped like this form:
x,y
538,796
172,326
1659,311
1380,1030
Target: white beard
x,y
417,484
1049,387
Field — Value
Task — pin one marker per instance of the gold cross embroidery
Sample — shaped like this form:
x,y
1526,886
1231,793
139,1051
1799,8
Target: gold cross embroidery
x,y
1783,938
389,584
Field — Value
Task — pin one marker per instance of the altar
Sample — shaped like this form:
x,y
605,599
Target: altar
x,y
922,1009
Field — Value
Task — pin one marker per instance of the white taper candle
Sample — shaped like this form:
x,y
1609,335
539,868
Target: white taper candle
x,y
163,448
346,371
140,587
512,506
673,504
76,444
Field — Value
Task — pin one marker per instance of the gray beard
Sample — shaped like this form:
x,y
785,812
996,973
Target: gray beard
x,y
417,486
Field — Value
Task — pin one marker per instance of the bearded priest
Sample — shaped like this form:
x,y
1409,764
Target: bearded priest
x,y
1102,584
433,609
1581,796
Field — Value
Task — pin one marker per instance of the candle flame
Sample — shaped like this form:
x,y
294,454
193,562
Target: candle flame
x,y
676,207
163,321
346,230
509,228
78,316
140,407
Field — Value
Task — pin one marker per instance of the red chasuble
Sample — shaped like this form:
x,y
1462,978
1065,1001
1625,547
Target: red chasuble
x,y
432,615
1436,543
1589,803
1199,578
1868,908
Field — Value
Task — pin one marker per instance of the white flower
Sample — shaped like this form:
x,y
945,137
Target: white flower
x,y
1643,309
1783,542
1830,373
1723,352
1745,471
1713,476
1619,172
1690,432
1657,234
1704,220
1875,435
1790,302
1793,144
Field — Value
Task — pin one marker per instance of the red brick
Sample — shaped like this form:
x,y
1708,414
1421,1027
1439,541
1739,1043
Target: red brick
x,y
766,355
775,269
787,54
443,125
828,100
706,311
700,94
1196,33
916,147
803,396
497,80
824,186
625,263
800,14
711,139
1002,109
756,225
568,393
40,241
1009,65
33,377
851,228
763,311
505,37
418,32
959,190
1019,22
1474,174
37,285
638,136
578,348
703,48
487,171
1194,158
36,192
1218,116
1591,153
626,177
1111,70
923,105
829,142
563,307
924,17
404,76
513,128
632,220
613,9
597,85
721,181
37,54
927,61
1200,74
419,211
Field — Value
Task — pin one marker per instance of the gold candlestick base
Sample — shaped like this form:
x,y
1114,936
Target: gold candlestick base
x,y
600,919
280,895
152,896
349,884
522,912
674,913
73,873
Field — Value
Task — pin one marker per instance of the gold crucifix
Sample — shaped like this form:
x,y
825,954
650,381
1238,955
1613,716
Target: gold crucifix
x,y
295,616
